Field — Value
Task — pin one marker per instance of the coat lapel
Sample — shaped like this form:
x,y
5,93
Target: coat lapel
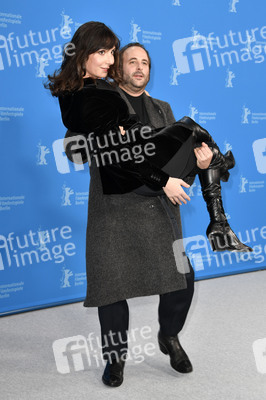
x,y
154,112
124,97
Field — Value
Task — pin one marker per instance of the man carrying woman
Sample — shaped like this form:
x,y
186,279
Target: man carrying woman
x,y
133,213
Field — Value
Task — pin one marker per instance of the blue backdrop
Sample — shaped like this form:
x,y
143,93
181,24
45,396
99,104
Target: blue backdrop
x,y
208,61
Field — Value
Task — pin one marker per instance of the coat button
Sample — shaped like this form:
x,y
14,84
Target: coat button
x,y
152,206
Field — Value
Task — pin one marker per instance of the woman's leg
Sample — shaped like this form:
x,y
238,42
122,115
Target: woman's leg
x,y
219,232
183,165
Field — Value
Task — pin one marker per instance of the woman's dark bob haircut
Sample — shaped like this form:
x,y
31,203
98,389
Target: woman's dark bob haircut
x,y
88,38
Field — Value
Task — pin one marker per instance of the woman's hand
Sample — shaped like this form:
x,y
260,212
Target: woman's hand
x,y
204,156
175,192
122,130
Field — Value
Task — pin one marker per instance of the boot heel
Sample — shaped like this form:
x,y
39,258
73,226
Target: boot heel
x,y
162,348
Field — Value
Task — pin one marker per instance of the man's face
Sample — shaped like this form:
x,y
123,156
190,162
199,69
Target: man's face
x,y
136,70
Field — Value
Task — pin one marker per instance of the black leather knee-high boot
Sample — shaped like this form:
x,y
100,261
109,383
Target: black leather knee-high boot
x,y
219,232
223,162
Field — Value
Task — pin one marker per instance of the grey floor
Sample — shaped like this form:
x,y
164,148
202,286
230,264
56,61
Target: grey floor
x,y
227,316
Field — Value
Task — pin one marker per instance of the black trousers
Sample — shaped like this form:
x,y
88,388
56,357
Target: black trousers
x,y
172,312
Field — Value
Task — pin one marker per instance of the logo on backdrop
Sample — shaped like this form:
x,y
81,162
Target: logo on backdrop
x,y
78,353
227,146
259,150
135,29
251,117
8,18
65,25
191,54
41,64
176,3
27,49
137,34
33,248
197,250
193,112
199,52
61,160
81,198
245,113
174,74
67,192
6,113
229,78
9,202
79,278
194,190
246,186
232,5
201,116
44,237
242,185
41,155
66,274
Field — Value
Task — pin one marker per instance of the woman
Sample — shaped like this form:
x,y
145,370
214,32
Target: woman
x,y
116,269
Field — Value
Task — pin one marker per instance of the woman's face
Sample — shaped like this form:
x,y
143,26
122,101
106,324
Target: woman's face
x,y
98,63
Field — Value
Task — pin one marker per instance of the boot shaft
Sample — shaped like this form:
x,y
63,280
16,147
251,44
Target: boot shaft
x,y
211,191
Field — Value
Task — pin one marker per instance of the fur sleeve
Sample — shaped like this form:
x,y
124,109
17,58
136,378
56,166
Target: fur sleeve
x,y
93,110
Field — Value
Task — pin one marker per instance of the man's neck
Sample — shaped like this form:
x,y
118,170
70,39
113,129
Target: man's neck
x,y
133,94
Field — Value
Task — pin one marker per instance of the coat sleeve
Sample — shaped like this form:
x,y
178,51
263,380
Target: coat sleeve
x,y
92,110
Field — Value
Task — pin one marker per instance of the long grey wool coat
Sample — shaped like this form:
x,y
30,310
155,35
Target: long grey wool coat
x,y
129,238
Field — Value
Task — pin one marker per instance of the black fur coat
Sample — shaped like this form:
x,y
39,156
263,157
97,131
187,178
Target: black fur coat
x,y
96,110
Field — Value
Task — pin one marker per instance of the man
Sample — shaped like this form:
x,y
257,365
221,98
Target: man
x,y
139,259
134,68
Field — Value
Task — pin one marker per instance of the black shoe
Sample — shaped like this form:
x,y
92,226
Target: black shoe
x,y
113,373
223,238
219,232
178,357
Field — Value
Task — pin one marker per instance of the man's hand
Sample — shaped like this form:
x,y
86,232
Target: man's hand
x,y
204,156
175,192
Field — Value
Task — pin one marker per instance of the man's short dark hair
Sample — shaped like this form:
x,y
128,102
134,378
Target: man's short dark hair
x,y
121,53
136,44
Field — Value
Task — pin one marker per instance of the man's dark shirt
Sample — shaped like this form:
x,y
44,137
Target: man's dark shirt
x,y
139,107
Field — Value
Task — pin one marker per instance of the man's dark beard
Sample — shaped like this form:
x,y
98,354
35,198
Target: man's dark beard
x,y
130,81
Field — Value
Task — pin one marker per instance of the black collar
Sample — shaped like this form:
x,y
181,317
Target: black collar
x,y
89,81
